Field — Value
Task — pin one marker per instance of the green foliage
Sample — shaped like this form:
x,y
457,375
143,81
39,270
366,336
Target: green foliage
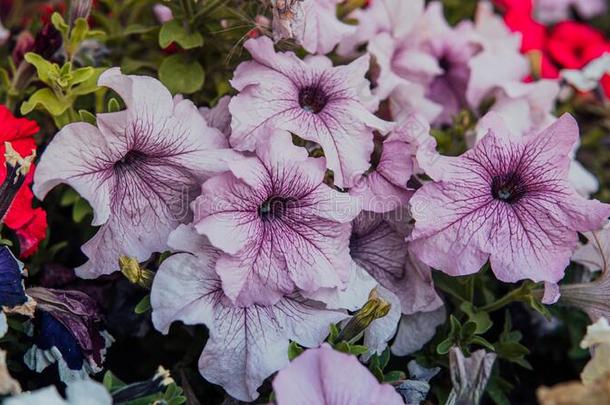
x,y
143,306
294,350
173,31
181,74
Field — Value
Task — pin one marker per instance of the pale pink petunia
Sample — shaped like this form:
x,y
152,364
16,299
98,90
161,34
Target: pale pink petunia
x,y
324,376
280,226
395,17
139,169
218,116
508,201
457,66
312,23
246,344
312,99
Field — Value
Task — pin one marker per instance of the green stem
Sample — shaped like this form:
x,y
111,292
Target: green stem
x,y
512,296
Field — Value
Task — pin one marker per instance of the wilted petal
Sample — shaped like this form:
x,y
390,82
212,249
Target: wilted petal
x,y
469,375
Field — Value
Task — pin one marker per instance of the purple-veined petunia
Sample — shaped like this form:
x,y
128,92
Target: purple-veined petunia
x,y
246,344
281,228
508,201
312,99
139,169
324,376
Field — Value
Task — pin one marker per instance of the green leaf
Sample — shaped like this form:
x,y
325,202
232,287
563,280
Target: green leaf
x,y
394,375
479,340
80,209
47,72
46,99
294,350
60,24
468,330
86,116
82,74
480,318
112,382
143,306
174,31
357,350
89,85
384,358
181,74
443,347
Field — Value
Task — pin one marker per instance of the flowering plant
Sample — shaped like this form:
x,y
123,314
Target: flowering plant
x,y
315,202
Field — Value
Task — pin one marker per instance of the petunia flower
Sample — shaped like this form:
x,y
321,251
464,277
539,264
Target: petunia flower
x,y
312,99
77,393
452,64
67,329
139,169
395,17
527,108
13,298
572,44
281,228
246,344
218,116
598,340
326,377
29,223
508,201
312,23
378,246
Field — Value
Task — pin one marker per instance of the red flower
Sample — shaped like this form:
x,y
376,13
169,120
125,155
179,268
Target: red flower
x,y
533,34
29,224
572,45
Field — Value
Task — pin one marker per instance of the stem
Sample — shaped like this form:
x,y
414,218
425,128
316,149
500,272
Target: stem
x,y
188,9
512,296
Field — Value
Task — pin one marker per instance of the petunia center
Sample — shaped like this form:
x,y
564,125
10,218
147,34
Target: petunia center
x,y
130,158
509,187
274,207
444,63
313,99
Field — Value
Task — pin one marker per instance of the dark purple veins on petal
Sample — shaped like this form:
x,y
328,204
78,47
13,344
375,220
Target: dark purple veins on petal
x,y
274,207
131,158
509,187
313,98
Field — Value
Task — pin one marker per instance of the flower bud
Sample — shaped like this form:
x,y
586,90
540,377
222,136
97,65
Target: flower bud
x,y
135,273
375,308
17,168
24,44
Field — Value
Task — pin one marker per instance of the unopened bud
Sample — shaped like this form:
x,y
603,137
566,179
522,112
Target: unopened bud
x,y
135,273
375,308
